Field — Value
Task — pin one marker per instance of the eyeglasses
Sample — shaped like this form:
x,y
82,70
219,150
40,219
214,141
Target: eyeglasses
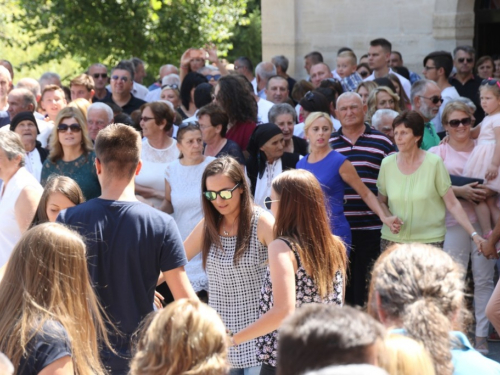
x,y
102,75
173,87
268,202
215,77
122,78
75,128
434,99
224,193
363,74
466,121
462,59
490,82
141,119
426,68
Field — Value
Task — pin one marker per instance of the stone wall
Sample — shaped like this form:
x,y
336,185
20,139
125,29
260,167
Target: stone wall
x,y
296,27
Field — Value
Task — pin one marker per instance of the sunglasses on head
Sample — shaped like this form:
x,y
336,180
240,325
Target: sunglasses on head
x,y
102,75
122,78
309,96
75,128
173,87
215,77
466,121
186,124
268,202
224,193
434,99
490,82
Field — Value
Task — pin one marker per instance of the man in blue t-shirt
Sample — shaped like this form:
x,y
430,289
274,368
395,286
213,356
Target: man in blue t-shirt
x,y
129,244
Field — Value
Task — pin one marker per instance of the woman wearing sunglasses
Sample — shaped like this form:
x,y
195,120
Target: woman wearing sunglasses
x,y
457,121
307,264
232,237
71,152
415,185
183,194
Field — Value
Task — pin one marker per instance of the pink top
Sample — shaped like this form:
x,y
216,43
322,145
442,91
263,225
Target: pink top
x,y
454,161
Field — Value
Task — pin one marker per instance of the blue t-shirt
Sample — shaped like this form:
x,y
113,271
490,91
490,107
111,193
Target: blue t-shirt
x,y
128,244
327,173
47,346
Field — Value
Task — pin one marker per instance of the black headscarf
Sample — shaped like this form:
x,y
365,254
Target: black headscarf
x,y
23,116
258,159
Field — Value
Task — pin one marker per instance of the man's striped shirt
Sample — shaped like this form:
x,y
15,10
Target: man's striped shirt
x,y
366,156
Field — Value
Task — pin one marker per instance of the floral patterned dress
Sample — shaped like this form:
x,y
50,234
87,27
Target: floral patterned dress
x,y
305,291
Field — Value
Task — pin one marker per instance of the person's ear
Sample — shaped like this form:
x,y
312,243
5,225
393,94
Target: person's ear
x,y
98,166
92,93
382,315
138,168
218,128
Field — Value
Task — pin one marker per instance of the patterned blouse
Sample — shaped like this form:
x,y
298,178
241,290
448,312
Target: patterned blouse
x,y
305,291
234,290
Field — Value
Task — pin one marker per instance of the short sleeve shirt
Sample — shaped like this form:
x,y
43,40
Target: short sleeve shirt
x,y
417,199
47,346
128,244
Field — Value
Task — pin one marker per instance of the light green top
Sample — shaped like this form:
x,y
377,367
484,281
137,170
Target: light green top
x,y
417,199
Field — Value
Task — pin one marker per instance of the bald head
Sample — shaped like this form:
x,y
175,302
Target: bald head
x,y
20,100
167,69
319,72
263,72
351,111
30,84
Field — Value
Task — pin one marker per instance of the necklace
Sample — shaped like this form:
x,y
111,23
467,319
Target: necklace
x,y
225,232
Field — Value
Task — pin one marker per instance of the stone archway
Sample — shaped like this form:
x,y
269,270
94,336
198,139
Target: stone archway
x,y
454,19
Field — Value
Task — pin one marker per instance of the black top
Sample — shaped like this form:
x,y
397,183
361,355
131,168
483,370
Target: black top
x,y
42,151
470,90
133,104
231,148
291,83
107,98
300,146
181,112
128,244
47,346
288,161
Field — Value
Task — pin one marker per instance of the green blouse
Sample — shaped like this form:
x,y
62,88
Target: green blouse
x,y
417,199
82,170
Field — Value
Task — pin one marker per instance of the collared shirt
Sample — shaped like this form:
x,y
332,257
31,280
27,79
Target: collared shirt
x,y
133,104
470,89
351,82
366,156
404,82
262,94
107,98
430,138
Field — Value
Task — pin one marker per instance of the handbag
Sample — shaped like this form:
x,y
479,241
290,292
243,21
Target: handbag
x,y
461,181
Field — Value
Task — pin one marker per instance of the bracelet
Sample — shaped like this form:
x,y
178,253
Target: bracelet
x,y
473,234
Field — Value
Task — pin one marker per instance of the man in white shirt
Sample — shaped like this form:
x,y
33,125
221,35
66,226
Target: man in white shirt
x,y
263,72
277,90
379,56
437,67
243,65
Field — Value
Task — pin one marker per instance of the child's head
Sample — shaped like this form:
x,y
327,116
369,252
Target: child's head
x,y
346,64
490,96
52,101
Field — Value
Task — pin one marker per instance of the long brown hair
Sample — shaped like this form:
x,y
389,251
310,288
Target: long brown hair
x,y
229,167
186,337
302,216
56,150
57,184
47,279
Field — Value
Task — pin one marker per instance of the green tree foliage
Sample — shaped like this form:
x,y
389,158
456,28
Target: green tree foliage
x,y
158,31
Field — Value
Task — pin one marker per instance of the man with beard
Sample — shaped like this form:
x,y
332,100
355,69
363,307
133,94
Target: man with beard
x,y
426,100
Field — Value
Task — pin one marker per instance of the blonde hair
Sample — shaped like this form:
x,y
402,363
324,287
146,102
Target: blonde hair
x,y
82,104
373,100
46,280
56,150
421,287
452,107
313,117
350,55
187,337
401,355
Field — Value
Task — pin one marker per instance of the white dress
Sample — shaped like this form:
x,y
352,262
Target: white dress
x,y
154,162
9,229
185,184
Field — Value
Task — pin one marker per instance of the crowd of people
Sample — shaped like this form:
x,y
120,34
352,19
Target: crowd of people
x,y
232,220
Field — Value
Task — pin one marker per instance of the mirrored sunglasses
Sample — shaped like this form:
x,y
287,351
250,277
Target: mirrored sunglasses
x,y
224,194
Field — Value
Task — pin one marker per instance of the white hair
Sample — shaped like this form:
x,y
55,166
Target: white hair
x,y
171,79
265,70
29,84
101,107
380,114
349,95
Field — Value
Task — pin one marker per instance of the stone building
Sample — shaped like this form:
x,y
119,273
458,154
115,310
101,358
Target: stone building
x,y
296,27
